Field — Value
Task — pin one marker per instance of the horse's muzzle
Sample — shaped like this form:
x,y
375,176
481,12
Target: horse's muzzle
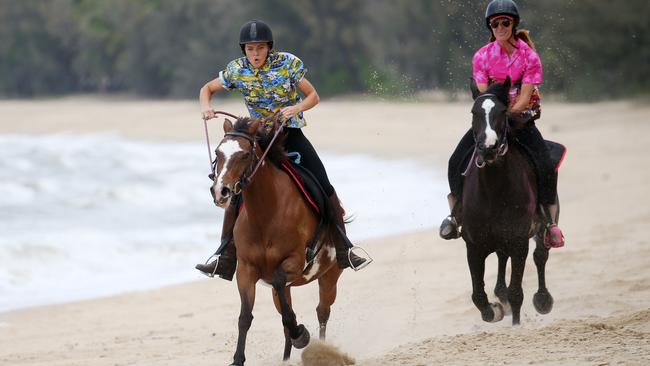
x,y
222,197
485,156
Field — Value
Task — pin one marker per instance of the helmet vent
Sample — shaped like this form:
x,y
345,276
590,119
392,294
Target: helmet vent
x,y
253,32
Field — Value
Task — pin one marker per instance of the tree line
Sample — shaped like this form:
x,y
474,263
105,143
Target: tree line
x,y
590,49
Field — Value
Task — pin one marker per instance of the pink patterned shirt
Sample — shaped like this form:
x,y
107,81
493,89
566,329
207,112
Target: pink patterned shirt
x,y
491,63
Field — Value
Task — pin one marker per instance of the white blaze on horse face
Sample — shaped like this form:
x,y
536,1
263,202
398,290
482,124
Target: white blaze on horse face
x,y
228,149
490,134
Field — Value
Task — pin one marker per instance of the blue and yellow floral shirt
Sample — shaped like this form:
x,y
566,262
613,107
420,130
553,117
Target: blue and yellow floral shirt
x,y
268,88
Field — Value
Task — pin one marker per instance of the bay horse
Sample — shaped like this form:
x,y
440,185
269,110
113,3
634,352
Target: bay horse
x,y
273,230
499,209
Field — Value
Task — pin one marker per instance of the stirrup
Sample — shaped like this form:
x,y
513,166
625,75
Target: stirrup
x,y
364,264
454,231
214,271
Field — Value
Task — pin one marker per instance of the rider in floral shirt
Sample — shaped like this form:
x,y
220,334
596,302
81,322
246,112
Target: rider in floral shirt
x,y
269,88
271,82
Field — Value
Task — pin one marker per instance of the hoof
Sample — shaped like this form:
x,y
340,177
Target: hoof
x,y
507,309
543,302
495,315
303,338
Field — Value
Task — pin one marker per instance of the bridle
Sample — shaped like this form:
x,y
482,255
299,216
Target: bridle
x,y
503,147
256,161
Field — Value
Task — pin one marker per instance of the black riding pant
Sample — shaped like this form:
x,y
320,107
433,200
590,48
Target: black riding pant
x,y
297,142
531,140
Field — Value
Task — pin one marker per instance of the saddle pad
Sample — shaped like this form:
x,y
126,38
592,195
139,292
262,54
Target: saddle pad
x,y
307,184
557,151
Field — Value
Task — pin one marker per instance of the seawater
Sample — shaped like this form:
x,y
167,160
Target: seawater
x,y
84,216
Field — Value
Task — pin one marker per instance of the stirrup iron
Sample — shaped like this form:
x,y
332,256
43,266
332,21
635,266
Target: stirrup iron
x,y
366,256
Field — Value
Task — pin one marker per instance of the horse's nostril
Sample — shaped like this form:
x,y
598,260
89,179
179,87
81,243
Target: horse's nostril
x,y
225,191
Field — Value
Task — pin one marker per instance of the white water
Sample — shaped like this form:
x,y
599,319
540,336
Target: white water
x,y
94,215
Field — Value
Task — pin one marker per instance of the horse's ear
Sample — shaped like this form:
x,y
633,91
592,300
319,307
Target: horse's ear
x,y
474,88
502,90
227,126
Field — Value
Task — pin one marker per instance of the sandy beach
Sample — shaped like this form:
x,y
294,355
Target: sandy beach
x,y
412,306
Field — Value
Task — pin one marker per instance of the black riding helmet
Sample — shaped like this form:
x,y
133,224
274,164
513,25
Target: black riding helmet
x,y
255,31
502,7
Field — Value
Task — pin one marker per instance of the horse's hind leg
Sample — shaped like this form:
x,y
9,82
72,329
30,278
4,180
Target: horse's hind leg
x,y
542,300
515,292
287,339
500,289
298,333
327,294
489,312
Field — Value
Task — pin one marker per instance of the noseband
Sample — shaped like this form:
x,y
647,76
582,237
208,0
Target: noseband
x,y
503,147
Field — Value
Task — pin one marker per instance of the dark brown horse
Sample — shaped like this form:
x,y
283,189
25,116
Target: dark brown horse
x,y
272,231
499,209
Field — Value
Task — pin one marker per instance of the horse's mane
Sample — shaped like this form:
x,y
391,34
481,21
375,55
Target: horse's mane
x,y
277,154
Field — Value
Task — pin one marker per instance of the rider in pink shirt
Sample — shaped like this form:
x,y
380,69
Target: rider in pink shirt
x,y
510,53
492,63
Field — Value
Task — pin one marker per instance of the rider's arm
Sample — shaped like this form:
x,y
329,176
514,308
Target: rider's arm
x,y
523,99
310,99
205,95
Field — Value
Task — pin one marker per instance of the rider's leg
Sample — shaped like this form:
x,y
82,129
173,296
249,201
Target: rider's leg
x,y
530,137
296,141
226,263
449,226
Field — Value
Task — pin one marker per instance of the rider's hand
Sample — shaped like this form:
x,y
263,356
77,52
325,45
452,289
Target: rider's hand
x,y
288,112
207,114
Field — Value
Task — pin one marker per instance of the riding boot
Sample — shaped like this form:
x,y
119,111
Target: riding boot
x,y
226,262
344,255
553,238
450,226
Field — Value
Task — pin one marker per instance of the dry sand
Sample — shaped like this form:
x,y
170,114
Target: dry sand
x,y
412,306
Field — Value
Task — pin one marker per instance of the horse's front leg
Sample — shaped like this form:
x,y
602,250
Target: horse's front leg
x,y
287,339
515,292
542,299
298,333
247,277
476,261
500,289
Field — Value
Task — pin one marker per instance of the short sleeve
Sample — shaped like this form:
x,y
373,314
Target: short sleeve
x,y
479,67
297,69
228,76
533,71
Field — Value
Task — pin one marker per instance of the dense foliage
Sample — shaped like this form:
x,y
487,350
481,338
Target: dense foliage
x,y
591,49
